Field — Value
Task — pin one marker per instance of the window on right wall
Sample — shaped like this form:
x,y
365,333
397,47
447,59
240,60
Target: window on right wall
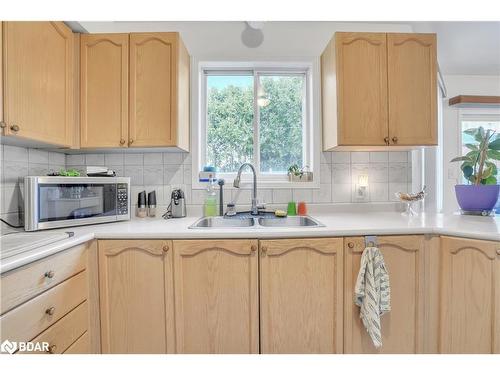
x,y
489,120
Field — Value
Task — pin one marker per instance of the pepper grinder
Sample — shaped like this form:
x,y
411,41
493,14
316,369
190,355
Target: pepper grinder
x,y
141,204
152,203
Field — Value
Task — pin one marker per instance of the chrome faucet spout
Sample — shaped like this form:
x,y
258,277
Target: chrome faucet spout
x,y
236,184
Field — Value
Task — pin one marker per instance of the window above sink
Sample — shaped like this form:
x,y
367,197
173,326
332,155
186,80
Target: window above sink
x,y
258,112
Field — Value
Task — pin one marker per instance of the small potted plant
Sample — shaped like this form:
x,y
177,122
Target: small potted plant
x,y
297,174
480,171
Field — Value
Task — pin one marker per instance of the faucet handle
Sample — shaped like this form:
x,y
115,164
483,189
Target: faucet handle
x,y
261,206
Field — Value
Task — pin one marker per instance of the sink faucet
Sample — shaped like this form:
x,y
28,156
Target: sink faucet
x,y
236,184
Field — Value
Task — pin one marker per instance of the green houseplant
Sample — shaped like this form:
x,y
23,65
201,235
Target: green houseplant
x,y
480,171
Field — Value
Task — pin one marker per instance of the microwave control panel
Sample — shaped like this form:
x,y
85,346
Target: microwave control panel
x,y
122,199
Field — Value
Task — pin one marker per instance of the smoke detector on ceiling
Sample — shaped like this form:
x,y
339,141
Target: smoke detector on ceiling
x,y
252,36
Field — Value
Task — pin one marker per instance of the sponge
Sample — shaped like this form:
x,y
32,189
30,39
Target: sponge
x,y
280,213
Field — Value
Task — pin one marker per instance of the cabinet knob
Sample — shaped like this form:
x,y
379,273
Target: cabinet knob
x,y
498,251
122,141
50,311
350,245
130,141
395,139
165,248
386,140
2,125
264,250
14,128
52,349
49,274
253,248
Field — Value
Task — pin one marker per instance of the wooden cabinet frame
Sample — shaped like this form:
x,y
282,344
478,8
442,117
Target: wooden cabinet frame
x,y
220,256
353,340
325,309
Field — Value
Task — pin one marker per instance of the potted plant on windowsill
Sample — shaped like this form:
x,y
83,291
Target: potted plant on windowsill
x,y
478,168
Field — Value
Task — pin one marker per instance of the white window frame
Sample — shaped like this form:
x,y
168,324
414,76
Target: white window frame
x,y
311,132
472,114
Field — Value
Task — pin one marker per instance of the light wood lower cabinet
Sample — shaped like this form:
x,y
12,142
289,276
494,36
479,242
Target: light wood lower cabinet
x,y
402,327
136,294
470,296
295,296
216,296
301,290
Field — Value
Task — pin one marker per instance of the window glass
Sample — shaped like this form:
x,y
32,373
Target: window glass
x,y
280,100
229,121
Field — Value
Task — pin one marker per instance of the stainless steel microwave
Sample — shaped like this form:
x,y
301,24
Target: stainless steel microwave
x,y
55,202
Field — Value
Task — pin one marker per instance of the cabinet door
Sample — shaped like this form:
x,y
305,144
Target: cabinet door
x,y
412,82
301,295
470,296
136,294
216,296
104,90
153,94
361,88
402,327
38,81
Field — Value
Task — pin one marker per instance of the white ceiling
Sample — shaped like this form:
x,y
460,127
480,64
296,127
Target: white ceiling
x,y
464,48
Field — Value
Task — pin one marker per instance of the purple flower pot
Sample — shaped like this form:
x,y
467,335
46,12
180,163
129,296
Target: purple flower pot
x,y
477,197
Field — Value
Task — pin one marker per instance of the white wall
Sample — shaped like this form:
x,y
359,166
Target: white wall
x,y
459,85
222,40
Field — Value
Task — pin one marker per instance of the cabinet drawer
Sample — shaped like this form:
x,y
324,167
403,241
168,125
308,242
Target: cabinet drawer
x,y
28,320
66,331
24,283
80,346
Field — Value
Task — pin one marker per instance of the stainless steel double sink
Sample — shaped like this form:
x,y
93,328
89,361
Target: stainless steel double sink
x,y
255,222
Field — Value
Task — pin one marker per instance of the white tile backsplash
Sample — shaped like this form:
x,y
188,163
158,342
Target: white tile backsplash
x,y
387,172
13,153
379,157
360,157
282,196
152,174
398,156
38,156
341,193
133,159
113,159
378,172
341,157
398,172
154,158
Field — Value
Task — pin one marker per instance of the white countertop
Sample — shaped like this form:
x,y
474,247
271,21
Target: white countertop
x,y
336,225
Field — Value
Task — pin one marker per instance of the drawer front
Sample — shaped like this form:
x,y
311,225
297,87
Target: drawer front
x,y
80,346
66,331
24,283
30,319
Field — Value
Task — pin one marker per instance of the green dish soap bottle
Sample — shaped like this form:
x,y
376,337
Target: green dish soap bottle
x,y
210,206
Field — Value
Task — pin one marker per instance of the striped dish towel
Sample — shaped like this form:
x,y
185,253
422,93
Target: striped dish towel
x,y
373,292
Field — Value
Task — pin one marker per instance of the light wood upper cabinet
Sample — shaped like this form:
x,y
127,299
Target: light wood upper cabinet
x,y
159,66
470,296
136,294
362,88
103,90
379,89
412,83
216,296
144,104
301,290
403,326
38,67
